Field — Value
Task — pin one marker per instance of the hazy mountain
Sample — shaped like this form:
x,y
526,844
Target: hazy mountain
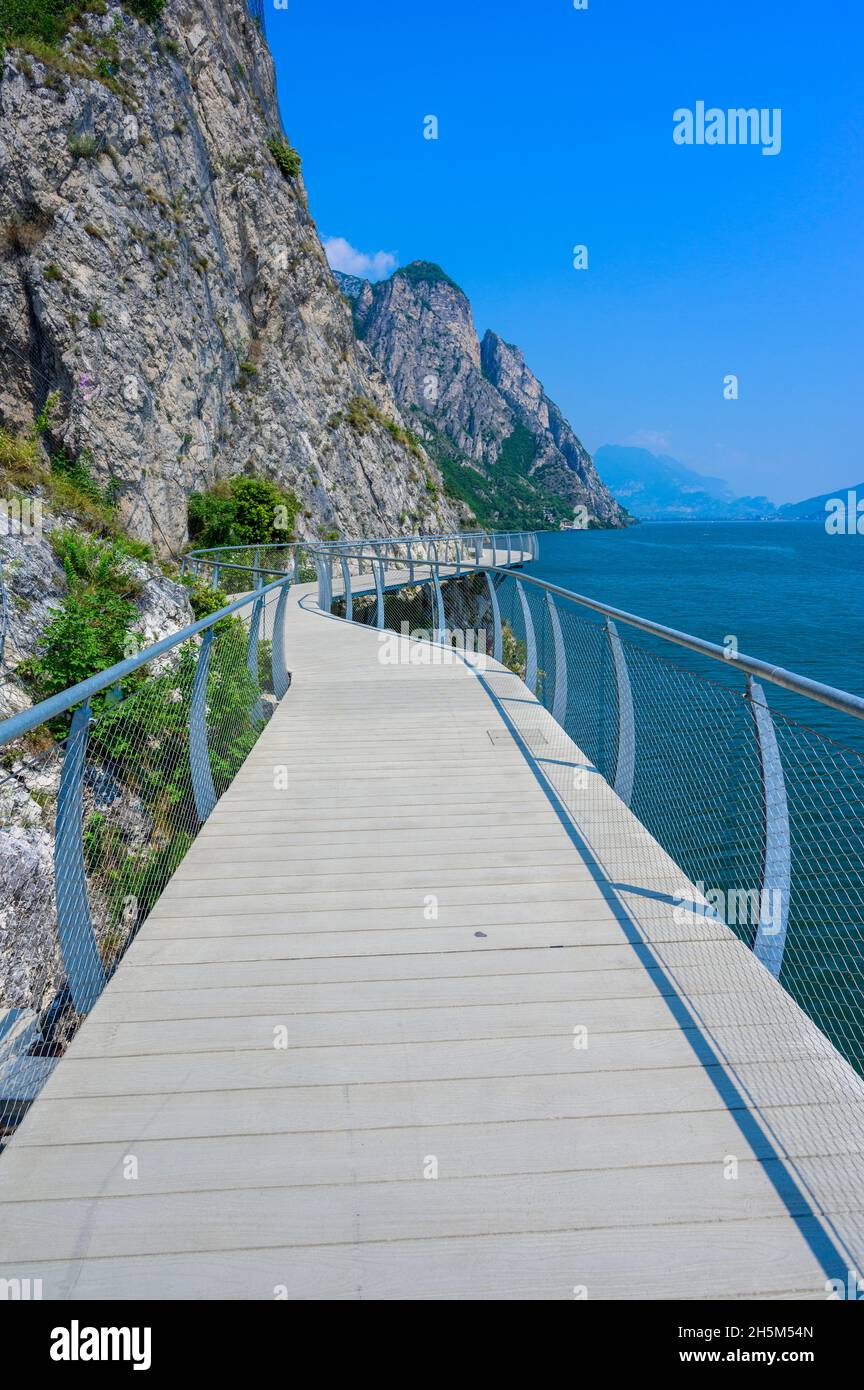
x,y
655,487
813,508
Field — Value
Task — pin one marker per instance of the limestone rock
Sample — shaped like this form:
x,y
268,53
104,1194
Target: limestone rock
x,y
476,405
160,271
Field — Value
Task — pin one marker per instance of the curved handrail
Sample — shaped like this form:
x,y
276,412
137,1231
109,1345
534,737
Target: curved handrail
x,y
831,696
19,724
224,556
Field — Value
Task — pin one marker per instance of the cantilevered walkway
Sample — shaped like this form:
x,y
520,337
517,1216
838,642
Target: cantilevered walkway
x,y
416,1018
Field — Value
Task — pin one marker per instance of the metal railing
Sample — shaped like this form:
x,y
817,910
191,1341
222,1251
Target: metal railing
x,y
744,799
244,565
760,810
103,788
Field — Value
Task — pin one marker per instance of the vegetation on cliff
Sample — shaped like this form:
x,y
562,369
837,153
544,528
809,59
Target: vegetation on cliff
x,y
506,499
242,511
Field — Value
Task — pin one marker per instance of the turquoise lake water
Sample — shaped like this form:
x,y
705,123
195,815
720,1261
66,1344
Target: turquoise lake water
x,y
788,592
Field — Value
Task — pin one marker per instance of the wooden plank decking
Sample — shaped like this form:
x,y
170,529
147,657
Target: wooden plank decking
x,y
474,964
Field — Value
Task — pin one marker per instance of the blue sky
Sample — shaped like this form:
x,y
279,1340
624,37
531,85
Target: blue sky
x,y
555,129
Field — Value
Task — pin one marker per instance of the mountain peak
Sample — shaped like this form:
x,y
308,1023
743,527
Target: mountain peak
x,y
426,273
503,447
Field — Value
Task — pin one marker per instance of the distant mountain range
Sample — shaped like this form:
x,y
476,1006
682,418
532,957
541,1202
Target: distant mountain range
x,y
656,487
813,508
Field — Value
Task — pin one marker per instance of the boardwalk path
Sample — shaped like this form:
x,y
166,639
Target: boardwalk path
x,y
433,932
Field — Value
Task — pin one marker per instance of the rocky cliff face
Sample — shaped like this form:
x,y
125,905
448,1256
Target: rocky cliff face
x,y
159,269
502,444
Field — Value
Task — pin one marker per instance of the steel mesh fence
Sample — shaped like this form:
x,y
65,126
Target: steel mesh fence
x,y
698,784
686,750
98,807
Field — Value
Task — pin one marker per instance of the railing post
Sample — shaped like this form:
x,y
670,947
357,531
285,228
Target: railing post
x,y
199,756
478,550
280,668
497,635
777,857
530,639
625,761
378,568
346,579
322,566
410,562
296,564
215,576
509,549
81,960
559,697
438,633
257,711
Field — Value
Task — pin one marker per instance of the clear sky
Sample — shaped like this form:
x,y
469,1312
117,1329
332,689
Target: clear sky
x,y
555,129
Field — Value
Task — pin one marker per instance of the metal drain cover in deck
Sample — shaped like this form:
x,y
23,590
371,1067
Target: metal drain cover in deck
x,y
531,738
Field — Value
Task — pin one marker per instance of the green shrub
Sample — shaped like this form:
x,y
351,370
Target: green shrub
x,y
286,157
138,550
148,10
68,485
88,633
93,562
76,471
20,465
362,414
144,742
242,511
47,20
204,599
94,626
